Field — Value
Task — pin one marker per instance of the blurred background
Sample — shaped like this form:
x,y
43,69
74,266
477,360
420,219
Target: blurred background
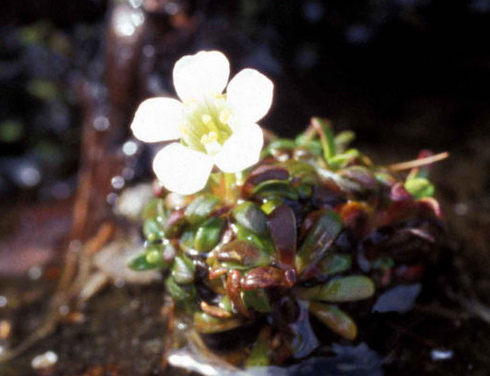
x,y
405,75
414,70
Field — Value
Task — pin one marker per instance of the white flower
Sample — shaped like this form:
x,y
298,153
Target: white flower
x,y
213,128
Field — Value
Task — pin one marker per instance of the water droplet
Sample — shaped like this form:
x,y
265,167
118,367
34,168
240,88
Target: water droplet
x,y
48,359
117,182
35,272
437,354
101,123
128,173
171,8
64,310
461,208
111,198
28,176
148,50
130,148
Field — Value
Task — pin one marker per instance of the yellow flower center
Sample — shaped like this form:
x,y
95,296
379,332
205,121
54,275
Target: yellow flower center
x,y
206,125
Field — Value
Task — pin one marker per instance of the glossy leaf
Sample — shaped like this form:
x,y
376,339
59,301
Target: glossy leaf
x,y
244,253
250,216
183,270
337,320
320,237
155,256
155,209
140,263
201,208
208,234
264,277
262,242
302,172
265,173
345,289
179,292
207,324
282,226
153,230
270,205
186,241
261,350
275,188
357,179
335,263
343,140
420,187
279,144
257,300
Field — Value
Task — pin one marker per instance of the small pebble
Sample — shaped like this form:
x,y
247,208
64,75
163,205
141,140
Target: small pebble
x,y
46,360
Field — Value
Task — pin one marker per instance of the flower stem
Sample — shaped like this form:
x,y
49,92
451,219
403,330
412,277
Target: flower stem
x,y
230,185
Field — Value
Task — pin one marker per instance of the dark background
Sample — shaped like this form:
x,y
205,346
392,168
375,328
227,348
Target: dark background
x,y
404,75
411,70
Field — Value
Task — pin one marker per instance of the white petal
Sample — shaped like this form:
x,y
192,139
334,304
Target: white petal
x,y
157,119
249,94
241,150
181,169
203,74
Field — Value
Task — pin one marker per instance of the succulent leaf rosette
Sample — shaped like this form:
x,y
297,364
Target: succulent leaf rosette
x,y
277,251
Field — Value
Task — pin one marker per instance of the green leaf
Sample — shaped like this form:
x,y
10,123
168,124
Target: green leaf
x,y
261,351
250,216
257,299
183,270
270,204
155,209
420,187
154,255
302,172
262,242
201,208
336,263
208,324
278,144
327,139
319,239
343,140
209,234
186,241
140,263
179,292
275,188
244,253
337,320
153,230
345,289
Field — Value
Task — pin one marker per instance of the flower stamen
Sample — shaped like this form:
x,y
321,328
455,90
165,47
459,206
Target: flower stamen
x,y
210,142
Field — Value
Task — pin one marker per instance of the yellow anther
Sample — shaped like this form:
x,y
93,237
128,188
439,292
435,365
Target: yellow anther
x,y
209,138
210,143
206,119
224,116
